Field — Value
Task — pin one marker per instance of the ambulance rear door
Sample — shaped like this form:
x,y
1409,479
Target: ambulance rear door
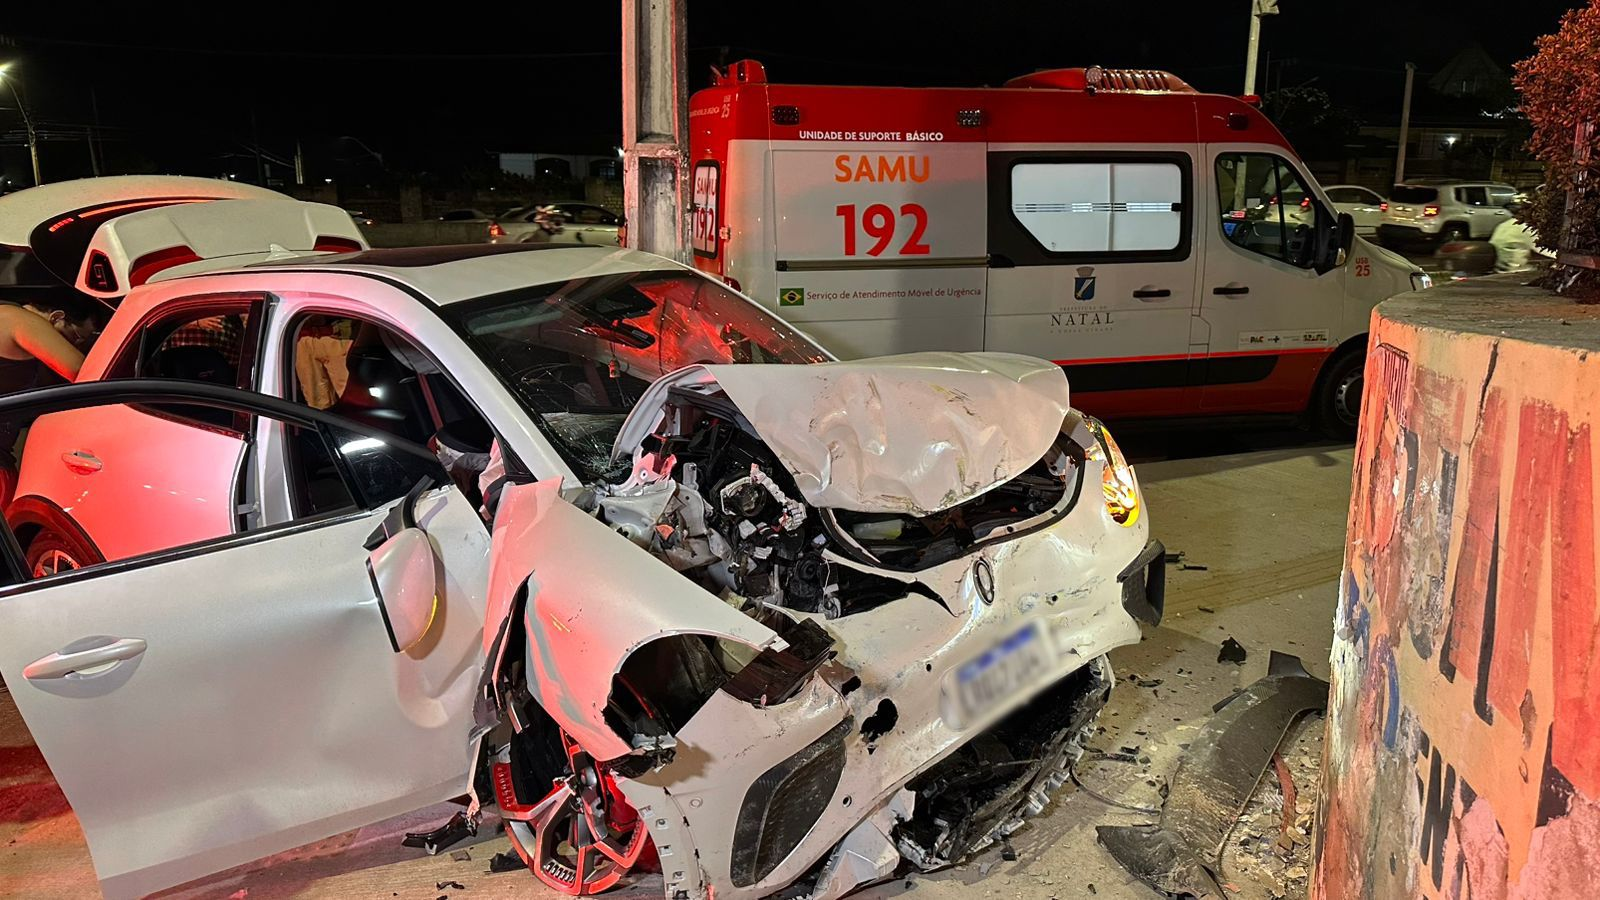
x,y
879,239
1093,265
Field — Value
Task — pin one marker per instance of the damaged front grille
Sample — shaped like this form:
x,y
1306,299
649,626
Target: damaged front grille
x,y
782,805
987,789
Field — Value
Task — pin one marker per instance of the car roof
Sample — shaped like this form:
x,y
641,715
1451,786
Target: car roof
x,y
452,273
25,210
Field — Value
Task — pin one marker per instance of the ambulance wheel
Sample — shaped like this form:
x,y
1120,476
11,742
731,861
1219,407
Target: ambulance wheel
x,y
1338,402
50,553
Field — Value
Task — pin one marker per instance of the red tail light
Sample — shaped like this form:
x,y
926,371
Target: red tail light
x,y
1384,206
495,230
327,244
1432,209
1305,202
150,265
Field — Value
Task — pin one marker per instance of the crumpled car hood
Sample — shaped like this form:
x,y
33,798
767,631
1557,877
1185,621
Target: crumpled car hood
x,y
913,434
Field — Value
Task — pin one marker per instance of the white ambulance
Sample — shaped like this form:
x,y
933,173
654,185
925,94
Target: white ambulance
x,y
1165,246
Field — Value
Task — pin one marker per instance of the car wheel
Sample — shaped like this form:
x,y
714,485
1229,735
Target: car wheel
x,y
50,553
1455,231
1338,403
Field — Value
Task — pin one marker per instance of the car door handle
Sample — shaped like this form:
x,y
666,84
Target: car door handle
x,y
60,665
82,461
1151,293
1230,290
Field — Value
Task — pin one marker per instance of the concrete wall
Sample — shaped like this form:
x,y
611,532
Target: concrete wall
x,y
1463,743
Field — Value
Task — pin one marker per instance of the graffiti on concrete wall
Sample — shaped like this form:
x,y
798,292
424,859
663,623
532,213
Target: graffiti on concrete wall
x,y
1463,754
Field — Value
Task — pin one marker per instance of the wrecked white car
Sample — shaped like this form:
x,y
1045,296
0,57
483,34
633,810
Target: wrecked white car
x,y
664,596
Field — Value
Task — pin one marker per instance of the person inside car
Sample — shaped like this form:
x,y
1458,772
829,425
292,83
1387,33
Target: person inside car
x,y
39,345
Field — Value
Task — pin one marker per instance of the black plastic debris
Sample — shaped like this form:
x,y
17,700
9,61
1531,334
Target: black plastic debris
x,y
1232,651
460,827
1181,855
506,862
1008,852
452,885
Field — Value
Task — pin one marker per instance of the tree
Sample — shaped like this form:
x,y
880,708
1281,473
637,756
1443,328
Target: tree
x,y
1307,116
1560,87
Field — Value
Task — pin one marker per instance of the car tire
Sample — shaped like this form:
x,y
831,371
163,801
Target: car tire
x,y
1455,231
1338,401
50,553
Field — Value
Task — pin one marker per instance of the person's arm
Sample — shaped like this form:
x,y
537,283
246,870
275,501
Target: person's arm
x,y
40,339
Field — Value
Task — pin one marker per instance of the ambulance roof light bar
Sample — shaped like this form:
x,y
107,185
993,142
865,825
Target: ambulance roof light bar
x,y
1099,78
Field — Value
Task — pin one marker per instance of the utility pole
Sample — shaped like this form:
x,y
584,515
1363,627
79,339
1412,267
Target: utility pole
x,y
655,126
27,121
1405,127
299,165
96,151
1258,8
255,139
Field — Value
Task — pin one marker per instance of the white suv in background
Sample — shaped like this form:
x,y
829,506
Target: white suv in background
x,y
1441,212
1363,204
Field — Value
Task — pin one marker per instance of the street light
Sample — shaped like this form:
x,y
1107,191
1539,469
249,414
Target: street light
x,y
1258,8
27,120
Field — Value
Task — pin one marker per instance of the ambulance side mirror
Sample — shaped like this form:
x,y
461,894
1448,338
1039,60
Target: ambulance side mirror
x,y
1333,243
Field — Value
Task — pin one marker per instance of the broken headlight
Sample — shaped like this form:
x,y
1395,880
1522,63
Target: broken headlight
x,y
1116,480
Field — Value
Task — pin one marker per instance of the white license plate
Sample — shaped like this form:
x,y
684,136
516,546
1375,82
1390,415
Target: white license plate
x,y
1017,662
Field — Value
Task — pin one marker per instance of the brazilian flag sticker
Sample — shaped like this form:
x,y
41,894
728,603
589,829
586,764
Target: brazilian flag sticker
x,y
792,297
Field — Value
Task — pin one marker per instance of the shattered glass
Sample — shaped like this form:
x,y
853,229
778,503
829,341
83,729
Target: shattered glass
x,y
578,354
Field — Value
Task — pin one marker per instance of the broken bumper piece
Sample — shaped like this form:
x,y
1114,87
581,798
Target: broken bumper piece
x,y
1144,584
1215,778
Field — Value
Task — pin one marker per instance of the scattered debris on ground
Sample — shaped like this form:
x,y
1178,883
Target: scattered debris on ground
x,y
1232,651
1260,861
462,856
1177,559
1217,781
452,885
506,862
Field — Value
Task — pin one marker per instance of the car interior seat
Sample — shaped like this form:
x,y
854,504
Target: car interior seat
x,y
197,363
382,391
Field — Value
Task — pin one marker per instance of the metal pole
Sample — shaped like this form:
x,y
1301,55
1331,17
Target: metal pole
x,y
97,150
27,123
1405,127
1258,8
655,125
1250,54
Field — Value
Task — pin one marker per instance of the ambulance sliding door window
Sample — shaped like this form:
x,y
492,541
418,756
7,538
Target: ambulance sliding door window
x,y
1266,208
1102,208
707,194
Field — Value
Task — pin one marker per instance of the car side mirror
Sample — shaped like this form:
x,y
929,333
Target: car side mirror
x,y
405,575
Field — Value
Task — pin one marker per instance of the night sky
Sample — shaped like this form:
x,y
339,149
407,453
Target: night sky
x,y
435,91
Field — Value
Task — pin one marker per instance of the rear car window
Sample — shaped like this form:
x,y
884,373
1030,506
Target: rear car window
x,y
1406,193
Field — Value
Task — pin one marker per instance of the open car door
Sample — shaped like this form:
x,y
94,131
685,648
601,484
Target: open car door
x,y
205,705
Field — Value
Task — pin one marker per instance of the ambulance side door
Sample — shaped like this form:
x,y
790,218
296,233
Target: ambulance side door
x,y
1092,265
1272,318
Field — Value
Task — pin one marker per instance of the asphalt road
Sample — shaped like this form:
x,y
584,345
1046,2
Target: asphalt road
x,y
1259,517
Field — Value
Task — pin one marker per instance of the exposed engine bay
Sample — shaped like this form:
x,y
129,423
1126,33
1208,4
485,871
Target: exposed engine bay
x,y
871,661
710,499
